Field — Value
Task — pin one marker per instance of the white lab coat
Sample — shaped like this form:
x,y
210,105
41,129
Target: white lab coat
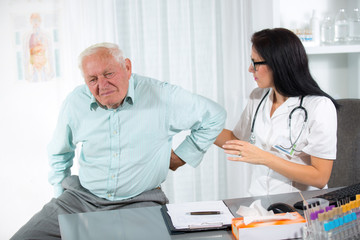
x,y
317,139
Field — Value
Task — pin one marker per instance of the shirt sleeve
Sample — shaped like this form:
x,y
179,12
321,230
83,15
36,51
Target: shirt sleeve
x,y
204,118
242,129
61,150
322,137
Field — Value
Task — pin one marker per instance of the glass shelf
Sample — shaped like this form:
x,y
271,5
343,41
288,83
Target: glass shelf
x,y
332,49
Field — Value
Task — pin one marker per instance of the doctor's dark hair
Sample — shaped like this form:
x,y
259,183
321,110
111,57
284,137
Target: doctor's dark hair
x,y
285,55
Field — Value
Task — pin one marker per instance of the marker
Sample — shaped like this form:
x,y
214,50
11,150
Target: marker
x,y
205,213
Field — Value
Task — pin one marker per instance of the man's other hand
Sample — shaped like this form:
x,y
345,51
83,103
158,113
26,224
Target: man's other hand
x,y
175,161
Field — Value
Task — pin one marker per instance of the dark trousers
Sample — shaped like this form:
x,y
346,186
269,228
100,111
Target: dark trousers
x,y
76,199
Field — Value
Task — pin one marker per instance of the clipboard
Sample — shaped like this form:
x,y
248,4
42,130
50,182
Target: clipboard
x,y
206,227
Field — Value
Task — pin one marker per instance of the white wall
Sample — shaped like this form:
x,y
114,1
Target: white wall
x,y
337,74
28,114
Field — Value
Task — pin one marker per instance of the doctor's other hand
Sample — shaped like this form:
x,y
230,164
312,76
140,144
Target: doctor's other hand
x,y
175,161
245,151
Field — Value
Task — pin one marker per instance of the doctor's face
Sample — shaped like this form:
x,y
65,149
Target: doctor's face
x,y
107,79
261,72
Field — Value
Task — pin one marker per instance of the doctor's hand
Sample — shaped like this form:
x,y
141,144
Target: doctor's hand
x,y
175,161
245,151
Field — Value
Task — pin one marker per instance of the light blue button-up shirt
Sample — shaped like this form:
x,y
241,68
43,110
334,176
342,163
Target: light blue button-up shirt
x,y
126,151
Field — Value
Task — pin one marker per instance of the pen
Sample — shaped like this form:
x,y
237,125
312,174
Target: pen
x,y
205,213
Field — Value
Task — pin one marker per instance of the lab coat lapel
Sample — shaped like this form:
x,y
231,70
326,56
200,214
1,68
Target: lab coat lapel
x,y
286,107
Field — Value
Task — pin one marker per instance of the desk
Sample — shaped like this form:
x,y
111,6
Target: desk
x,y
148,223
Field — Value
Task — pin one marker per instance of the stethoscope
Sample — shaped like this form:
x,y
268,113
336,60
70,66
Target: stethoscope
x,y
252,138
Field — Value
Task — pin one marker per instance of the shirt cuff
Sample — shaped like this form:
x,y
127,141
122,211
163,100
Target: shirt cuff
x,y
189,153
58,190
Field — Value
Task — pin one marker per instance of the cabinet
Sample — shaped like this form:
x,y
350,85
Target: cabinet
x,y
336,68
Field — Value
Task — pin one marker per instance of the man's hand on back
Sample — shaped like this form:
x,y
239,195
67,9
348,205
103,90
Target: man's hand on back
x,y
175,161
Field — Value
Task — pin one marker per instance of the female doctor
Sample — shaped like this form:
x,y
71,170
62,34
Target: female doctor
x,y
288,128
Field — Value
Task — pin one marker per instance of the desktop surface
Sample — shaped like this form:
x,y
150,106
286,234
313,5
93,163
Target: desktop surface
x,y
126,224
148,222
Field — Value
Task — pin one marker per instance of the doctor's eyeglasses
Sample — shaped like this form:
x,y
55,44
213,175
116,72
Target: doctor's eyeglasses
x,y
253,64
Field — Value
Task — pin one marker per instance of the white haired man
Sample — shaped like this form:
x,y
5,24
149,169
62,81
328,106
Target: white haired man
x,y
125,124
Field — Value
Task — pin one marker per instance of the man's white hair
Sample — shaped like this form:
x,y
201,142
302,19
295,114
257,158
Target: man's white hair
x,y
112,48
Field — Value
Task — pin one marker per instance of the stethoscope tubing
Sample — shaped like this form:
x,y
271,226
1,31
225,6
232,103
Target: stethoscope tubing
x,y
300,107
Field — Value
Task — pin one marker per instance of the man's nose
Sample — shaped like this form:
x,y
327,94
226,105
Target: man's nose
x,y
103,82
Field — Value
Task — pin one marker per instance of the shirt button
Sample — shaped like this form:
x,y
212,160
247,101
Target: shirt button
x,y
113,176
115,154
115,132
109,195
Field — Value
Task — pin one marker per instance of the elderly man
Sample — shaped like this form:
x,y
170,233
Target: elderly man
x,y
125,124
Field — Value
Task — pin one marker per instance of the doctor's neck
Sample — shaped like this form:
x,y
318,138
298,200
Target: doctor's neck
x,y
278,98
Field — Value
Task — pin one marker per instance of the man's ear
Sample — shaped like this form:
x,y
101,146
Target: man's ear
x,y
128,66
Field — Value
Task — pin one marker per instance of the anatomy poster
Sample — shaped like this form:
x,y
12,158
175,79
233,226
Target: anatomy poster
x,y
37,46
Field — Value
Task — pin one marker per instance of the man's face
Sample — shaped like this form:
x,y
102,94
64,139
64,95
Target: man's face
x,y
107,79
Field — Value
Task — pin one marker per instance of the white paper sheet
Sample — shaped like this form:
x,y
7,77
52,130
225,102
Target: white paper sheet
x,y
181,217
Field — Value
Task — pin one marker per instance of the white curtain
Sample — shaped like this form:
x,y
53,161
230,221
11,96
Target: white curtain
x,y
83,23
203,46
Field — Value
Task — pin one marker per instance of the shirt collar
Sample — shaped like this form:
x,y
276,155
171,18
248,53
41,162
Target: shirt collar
x,y
287,106
93,103
290,102
129,98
